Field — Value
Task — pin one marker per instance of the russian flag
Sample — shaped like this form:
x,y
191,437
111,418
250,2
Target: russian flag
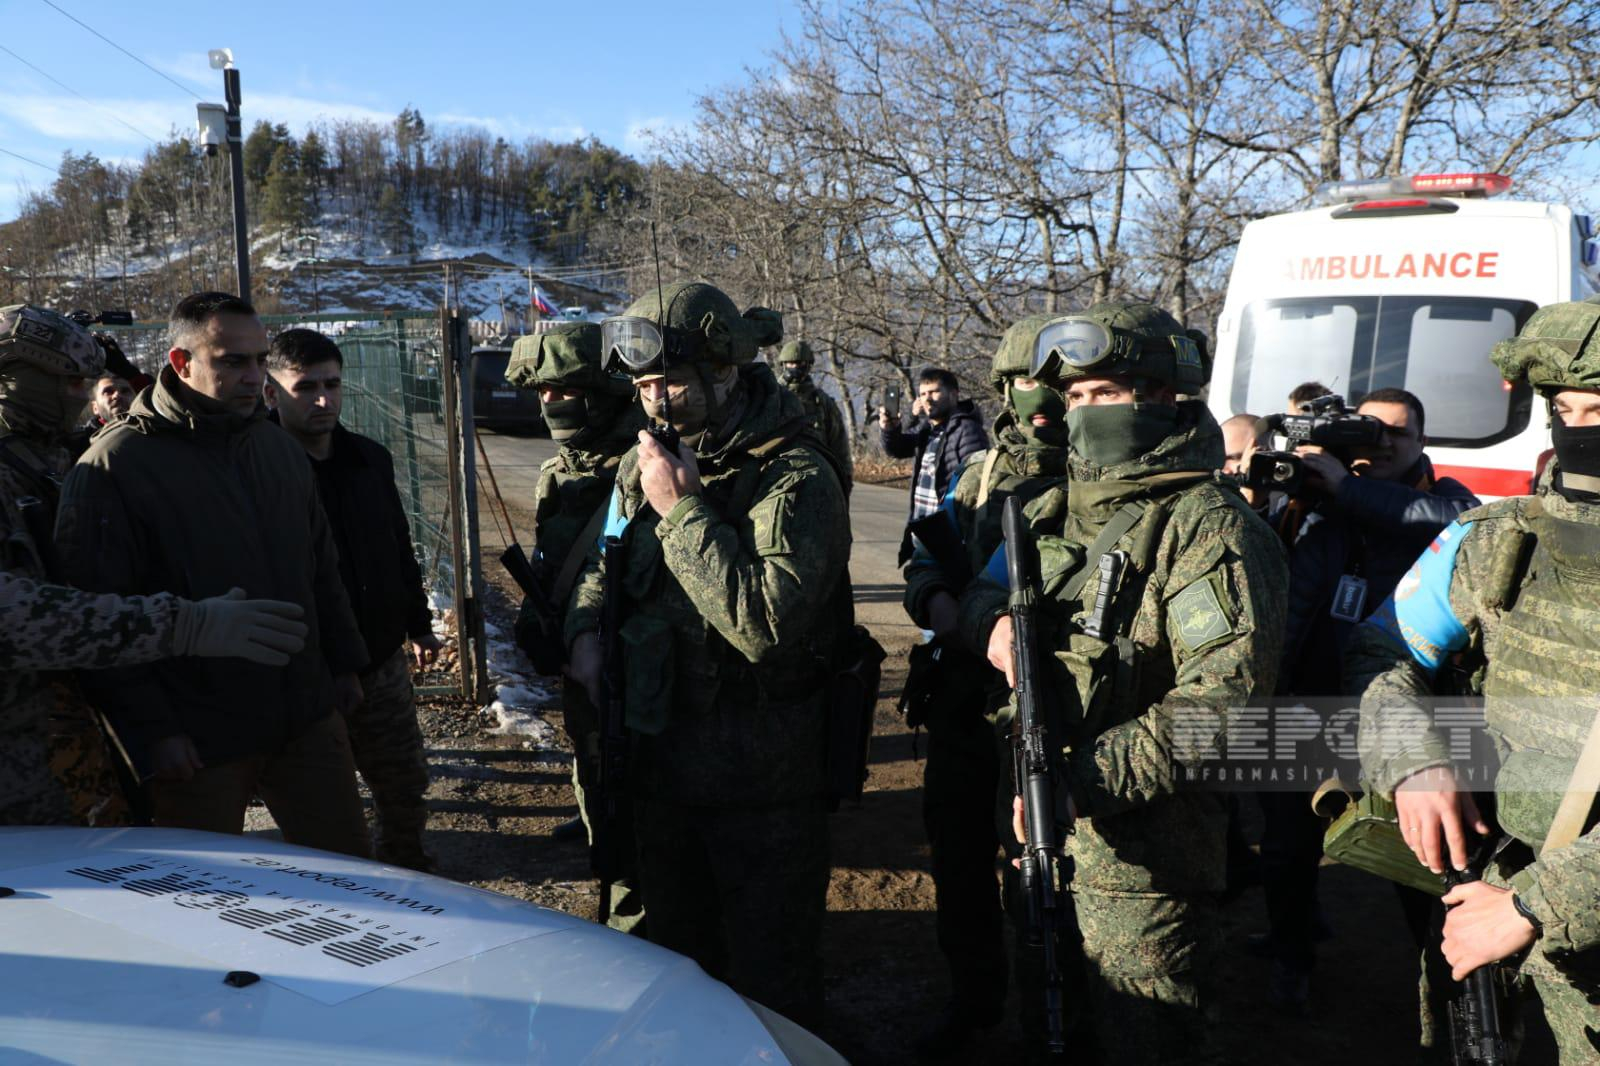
x,y
545,304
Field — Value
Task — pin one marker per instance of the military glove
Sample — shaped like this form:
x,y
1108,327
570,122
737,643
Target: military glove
x,y
233,627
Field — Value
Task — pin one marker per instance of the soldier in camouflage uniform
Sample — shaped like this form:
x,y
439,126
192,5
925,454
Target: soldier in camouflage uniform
x,y
962,775
1194,622
1511,589
46,361
736,551
796,359
594,417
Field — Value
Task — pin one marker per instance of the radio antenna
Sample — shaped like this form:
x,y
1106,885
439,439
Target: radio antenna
x,y
665,435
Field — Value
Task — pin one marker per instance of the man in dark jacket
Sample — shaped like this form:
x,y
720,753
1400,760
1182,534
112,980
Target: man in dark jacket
x,y
944,431
1373,517
194,492
355,478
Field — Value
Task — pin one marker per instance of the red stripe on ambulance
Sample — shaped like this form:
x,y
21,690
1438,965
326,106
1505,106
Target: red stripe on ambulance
x,y
1488,481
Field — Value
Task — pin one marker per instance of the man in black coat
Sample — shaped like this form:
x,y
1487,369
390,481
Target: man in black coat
x,y
945,431
1373,516
355,478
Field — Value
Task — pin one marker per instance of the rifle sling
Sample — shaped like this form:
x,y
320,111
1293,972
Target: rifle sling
x,y
1114,530
575,557
1576,804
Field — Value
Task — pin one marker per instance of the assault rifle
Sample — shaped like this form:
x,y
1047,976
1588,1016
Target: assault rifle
x,y
1033,766
605,849
1475,1035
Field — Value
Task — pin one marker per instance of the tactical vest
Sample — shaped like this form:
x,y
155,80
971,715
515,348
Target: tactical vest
x,y
1545,656
1104,683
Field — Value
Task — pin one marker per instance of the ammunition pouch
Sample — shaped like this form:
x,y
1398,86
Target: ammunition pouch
x,y
1099,691
853,697
1366,835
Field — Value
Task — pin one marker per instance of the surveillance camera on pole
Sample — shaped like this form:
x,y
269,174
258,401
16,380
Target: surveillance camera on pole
x,y
221,126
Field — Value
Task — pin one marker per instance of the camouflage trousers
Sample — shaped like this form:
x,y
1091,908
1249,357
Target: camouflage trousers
x,y
960,781
582,723
741,891
1573,1016
54,766
388,748
1139,971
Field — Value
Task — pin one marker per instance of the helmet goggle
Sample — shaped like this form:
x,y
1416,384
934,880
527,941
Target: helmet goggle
x,y
636,344
1073,343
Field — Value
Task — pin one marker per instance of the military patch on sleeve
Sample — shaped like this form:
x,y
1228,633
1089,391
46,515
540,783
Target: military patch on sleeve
x,y
1199,615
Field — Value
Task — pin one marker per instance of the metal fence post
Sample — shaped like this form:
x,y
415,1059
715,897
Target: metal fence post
x,y
448,387
469,496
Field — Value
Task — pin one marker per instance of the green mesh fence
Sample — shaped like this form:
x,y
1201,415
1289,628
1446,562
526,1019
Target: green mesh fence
x,y
391,394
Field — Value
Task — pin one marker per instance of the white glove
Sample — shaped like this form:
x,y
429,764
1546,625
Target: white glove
x,y
232,627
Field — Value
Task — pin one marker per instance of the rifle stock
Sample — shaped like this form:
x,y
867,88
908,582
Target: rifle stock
x,y
1040,865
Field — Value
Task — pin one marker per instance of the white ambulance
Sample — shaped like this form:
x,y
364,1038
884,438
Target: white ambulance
x,y
1405,283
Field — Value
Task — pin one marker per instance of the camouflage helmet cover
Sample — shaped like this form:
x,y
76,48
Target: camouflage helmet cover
x,y
1149,344
697,307
797,352
1014,357
49,342
568,355
1558,348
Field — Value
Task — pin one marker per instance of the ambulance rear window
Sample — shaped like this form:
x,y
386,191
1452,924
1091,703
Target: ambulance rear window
x,y
1435,346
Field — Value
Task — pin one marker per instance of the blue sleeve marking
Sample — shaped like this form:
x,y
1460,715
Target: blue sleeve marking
x,y
997,571
1419,614
615,521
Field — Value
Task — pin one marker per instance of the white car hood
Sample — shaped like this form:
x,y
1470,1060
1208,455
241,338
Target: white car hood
x,y
114,945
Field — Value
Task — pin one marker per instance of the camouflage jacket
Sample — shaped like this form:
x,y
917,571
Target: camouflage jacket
x,y
1494,589
1198,617
1014,466
45,626
574,484
729,632
827,423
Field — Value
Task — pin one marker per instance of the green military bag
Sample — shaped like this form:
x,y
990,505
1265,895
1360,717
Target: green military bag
x,y
1366,835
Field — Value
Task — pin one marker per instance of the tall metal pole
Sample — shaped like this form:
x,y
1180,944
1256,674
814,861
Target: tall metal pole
x,y
241,230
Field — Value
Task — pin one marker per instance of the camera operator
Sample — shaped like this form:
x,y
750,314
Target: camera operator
x,y
1373,511
1242,436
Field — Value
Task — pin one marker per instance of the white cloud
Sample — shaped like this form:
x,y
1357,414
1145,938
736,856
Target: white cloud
x,y
67,118
640,136
511,128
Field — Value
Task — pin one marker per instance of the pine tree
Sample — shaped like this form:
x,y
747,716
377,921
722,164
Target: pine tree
x,y
394,221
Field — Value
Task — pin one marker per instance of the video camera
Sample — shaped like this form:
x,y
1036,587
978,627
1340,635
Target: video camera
x,y
117,361
1327,422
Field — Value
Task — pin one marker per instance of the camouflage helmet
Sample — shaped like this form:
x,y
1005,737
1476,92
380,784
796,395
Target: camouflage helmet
x,y
702,324
47,341
1014,357
566,356
1122,338
797,352
1558,348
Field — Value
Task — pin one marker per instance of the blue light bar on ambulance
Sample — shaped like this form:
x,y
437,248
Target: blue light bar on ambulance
x,y
1335,192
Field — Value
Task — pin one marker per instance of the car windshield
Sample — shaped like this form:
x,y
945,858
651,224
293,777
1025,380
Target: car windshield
x,y
1434,346
490,368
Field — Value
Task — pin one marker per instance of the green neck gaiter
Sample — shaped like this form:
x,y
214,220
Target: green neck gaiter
x,y
1108,434
566,418
1039,401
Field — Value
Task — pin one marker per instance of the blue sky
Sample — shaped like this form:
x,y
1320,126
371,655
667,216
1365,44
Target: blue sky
x,y
555,70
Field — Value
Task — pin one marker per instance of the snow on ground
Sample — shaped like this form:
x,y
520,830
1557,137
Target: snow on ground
x,y
520,695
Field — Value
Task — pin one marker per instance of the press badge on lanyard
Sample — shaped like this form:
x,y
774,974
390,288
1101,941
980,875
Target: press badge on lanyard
x,y
1349,598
